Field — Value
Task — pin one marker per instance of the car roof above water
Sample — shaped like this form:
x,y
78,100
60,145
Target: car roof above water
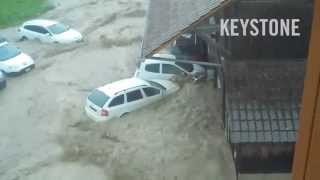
x,y
122,85
40,22
164,56
156,61
158,58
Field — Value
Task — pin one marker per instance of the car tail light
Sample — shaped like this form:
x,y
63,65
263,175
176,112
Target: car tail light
x,y
104,112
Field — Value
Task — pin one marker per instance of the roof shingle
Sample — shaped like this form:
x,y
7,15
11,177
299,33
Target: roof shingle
x,y
168,18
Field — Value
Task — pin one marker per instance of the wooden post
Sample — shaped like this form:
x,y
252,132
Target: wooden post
x,y
307,152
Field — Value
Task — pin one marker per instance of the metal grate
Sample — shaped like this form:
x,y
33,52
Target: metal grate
x,y
263,101
262,122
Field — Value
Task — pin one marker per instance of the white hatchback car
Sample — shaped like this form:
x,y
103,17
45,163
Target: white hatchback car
x,y
13,61
124,96
159,69
48,31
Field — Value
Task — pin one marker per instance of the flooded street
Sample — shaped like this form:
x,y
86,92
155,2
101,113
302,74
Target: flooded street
x,y
45,133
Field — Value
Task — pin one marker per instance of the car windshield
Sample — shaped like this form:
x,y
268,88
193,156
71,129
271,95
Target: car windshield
x,y
186,66
58,28
155,84
8,51
98,98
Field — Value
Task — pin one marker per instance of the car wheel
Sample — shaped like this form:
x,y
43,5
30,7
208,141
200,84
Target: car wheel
x,y
124,115
23,38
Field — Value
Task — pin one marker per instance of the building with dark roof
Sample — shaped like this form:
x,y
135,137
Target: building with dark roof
x,y
261,77
168,19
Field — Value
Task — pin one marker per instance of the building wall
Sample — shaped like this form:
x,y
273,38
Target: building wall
x,y
269,47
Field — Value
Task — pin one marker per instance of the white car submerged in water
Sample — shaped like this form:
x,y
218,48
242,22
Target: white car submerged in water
x,y
48,31
13,61
157,68
122,97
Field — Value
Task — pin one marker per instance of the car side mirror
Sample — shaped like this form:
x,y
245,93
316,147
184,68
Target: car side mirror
x,y
49,34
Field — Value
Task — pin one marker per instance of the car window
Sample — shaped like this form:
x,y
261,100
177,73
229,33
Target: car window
x,y
134,95
153,68
155,84
186,66
149,91
8,51
37,29
58,28
98,98
30,28
117,101
170,69
42,30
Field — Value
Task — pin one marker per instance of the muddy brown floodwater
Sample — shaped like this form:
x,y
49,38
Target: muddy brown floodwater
x,y
44,133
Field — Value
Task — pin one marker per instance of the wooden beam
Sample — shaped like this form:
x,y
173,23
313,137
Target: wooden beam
x,y
313,164
199,62
307,151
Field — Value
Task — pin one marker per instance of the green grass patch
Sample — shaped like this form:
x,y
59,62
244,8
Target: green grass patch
x,y
13,12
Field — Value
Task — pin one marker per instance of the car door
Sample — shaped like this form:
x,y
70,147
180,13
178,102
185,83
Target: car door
x,y
44,34
169,71
39,33
152,94
117,106
30,31
150,71
135,100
